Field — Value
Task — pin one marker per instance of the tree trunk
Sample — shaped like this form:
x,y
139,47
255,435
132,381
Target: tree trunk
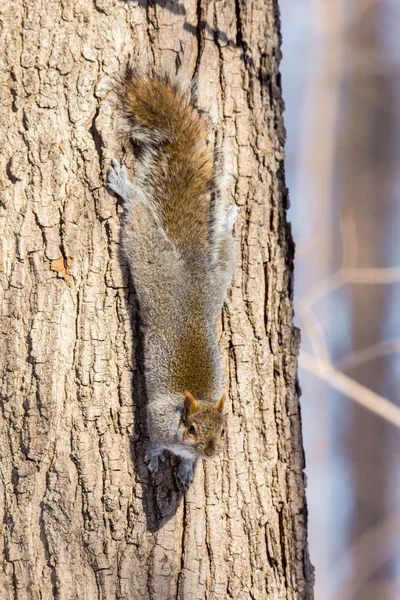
x,y
81,517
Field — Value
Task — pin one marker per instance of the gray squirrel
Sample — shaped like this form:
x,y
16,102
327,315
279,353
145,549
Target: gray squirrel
x,y
177,239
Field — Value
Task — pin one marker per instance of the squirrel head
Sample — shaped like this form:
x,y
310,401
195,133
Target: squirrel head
x,y
203,426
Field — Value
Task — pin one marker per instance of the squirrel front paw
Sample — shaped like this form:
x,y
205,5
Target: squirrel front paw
x,y
185,473
151,457
118,181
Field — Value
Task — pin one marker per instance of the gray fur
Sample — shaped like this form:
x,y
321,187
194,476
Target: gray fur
x,y
165,282
153,454
118,181
185,472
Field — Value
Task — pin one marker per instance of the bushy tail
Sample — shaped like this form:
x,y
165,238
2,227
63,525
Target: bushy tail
x,y
176,172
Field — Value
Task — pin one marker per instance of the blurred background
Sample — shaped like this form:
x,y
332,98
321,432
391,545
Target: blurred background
x,y
341,84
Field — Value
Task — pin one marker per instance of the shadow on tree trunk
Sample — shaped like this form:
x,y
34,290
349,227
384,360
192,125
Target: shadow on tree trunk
x,y
160,493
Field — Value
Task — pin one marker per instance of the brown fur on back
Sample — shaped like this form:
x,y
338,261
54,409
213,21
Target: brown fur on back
x,y
179,177
193,365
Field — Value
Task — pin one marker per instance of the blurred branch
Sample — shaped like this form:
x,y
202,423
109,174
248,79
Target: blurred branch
x,y
349,240
384,275
320,289
351,388
315,332
370,551
355,359
318,128
371,276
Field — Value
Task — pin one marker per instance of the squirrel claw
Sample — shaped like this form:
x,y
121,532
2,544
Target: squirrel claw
x,y
152,456
152,464
118,181
184,475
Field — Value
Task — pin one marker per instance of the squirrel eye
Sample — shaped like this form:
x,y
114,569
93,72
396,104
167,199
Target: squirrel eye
x,y
192,430
223,433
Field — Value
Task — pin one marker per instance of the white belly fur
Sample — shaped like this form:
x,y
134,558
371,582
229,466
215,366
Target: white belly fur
x,y
181,451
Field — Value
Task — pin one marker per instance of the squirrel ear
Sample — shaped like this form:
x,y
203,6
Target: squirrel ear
x,y
190,403
220,405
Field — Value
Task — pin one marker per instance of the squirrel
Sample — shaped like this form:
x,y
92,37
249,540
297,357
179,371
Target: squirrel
x,y
177,238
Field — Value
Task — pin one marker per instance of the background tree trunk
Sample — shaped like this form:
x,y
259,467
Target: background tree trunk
x,y
81,517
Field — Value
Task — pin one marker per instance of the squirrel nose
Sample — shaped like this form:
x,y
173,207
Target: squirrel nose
x,y
210,448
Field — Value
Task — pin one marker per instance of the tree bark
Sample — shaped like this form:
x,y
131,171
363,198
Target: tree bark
x,y
81,517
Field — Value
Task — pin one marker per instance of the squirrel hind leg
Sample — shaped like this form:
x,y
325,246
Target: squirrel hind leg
x,y
224,222
224,254
118,181
230,218
224,237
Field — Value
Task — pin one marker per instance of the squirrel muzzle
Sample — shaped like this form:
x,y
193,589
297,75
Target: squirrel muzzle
x,y
209,450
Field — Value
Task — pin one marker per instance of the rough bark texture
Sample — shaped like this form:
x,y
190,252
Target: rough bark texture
x,y
81,517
